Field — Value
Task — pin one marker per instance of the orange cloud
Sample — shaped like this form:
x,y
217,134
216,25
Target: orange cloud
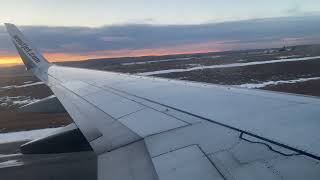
x,y
171,50
214,46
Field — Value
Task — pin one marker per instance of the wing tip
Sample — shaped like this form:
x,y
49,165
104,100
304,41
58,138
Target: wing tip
x,y
29,55
8,25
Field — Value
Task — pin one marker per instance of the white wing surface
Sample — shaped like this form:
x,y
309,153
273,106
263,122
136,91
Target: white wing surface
x,y
152,128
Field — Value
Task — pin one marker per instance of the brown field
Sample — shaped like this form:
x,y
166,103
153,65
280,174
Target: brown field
x,y
18,121
11,120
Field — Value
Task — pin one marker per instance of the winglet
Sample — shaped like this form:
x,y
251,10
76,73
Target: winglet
x,y
29,55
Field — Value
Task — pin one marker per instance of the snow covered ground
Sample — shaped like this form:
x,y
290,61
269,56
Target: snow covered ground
x,y
268,83
25,135
228,65
16,100
26,84
156,61
6,101
286,57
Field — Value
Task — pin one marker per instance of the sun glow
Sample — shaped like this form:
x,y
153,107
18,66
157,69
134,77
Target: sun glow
x,y
60,56
10,60
213,46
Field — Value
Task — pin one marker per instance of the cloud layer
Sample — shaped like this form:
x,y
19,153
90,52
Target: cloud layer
x,y
135,39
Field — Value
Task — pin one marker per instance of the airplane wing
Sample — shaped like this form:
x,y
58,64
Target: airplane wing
x,y
154,128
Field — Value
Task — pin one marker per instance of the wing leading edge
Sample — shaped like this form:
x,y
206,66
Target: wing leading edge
x,y
182,130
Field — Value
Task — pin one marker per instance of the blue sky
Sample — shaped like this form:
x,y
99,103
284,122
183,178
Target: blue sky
x,y
99,13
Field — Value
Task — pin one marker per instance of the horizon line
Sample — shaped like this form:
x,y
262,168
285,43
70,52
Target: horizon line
x,y
16,60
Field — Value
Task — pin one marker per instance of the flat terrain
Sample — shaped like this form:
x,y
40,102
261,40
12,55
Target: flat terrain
x,y
292,69
205,68
13,94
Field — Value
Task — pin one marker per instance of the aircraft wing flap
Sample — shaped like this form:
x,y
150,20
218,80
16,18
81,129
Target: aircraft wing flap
x,y
209,151
128,162
189,163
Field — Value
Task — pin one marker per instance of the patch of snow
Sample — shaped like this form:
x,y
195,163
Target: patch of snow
x,y
23,102
268,83
25,135
4,104
16,100
9,99
27,82
10,163
193,65
49,97
36,100
148,62
286,57
227,65
22,86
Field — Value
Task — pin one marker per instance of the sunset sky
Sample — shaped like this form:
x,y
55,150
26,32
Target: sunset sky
x,y
77,30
